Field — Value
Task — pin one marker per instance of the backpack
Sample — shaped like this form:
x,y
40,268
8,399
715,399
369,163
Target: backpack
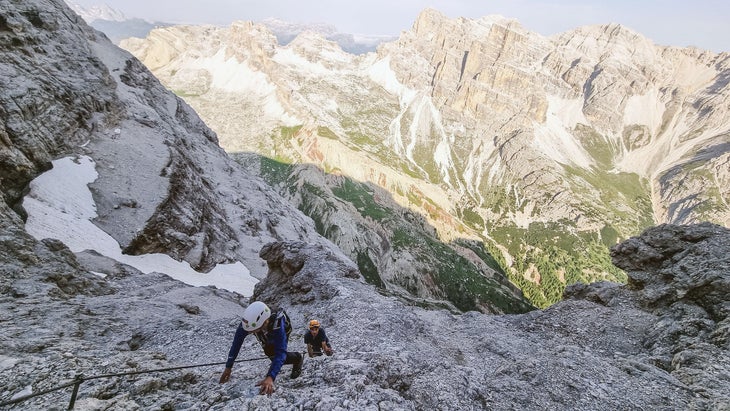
x,y
273,325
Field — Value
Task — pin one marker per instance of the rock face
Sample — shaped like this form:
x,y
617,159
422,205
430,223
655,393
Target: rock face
x,y
692,303
544,149
658,342
164,183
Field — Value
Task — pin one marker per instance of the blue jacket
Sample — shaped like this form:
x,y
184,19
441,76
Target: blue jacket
x,y
273,340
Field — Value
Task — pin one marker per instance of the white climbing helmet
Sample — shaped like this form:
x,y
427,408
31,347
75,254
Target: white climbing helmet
x,y
255,315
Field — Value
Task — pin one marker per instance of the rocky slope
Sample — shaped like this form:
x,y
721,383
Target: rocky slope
x,y
546,150
164,183
658,342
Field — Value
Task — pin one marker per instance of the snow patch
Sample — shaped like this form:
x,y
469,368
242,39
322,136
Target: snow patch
x,y
442,154
289,57
645,110
61,206
552,137
233,76
230,75
381,73
442,157
568,111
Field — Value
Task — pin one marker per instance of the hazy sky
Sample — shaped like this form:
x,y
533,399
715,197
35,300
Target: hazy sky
x,y
701,23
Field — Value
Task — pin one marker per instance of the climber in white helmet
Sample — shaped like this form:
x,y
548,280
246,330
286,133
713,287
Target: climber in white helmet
x,y
272,329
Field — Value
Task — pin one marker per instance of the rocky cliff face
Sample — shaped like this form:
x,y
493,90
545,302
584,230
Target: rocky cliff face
x,y
547,150
164,183
658,342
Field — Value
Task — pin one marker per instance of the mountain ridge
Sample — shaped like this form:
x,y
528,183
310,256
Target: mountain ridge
x,y
119,27
488,129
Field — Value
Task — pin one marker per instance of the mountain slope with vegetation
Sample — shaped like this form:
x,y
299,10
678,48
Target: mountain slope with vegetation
x,y
545,150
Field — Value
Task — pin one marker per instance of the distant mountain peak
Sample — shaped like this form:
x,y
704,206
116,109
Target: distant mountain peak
x,y
434,21
612,33
292,28
97,12
286,32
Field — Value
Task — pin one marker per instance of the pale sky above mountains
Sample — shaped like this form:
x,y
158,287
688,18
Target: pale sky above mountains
x,y
701,23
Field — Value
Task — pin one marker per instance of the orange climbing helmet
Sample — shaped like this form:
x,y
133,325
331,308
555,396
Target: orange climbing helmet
x,y
314,324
